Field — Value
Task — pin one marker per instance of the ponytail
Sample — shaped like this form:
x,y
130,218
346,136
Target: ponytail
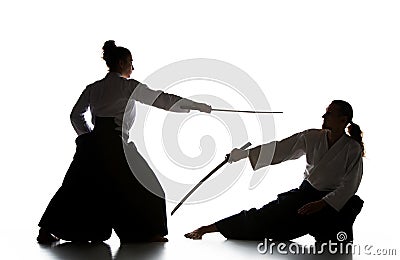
x,y
356,133
353,129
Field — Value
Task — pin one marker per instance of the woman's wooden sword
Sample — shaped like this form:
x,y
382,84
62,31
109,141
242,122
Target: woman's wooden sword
x,y
245,111
205,178
237,111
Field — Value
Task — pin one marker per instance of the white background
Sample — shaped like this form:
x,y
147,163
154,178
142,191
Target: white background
x,y
303,54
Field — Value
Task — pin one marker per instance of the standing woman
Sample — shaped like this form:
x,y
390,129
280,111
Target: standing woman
x,y
101,190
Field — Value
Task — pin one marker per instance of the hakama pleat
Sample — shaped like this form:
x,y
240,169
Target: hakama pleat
x,y
137,214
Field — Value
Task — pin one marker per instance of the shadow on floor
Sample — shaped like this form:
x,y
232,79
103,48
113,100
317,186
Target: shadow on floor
x,y
233,249
80,251
145,251
102,251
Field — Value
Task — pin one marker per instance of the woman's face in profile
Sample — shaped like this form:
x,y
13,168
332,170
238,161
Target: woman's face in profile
x,y
126,67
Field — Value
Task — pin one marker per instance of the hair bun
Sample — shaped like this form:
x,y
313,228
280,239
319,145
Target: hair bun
x,y
109,45
108,48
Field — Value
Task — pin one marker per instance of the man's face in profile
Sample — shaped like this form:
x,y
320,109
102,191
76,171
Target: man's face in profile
x,y
332,118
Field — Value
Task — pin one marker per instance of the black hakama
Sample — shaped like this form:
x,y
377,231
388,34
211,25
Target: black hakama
x,y
279,220
79,211
100,192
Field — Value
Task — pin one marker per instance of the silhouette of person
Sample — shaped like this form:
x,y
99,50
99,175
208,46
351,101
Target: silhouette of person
x,y
101,190
324,204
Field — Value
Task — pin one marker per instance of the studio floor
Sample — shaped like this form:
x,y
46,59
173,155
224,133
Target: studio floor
x,y
22,245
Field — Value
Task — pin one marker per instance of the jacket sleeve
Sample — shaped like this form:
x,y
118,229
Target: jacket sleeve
x,y
77,114
156,98
276,152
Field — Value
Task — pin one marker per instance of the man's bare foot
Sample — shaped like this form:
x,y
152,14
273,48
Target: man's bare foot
x,y
198,233
46,238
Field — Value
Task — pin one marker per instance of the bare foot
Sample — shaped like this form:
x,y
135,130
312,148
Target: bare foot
x,y
196,234
46,238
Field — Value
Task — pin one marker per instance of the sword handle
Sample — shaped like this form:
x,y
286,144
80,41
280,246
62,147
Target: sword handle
x,y
248,144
